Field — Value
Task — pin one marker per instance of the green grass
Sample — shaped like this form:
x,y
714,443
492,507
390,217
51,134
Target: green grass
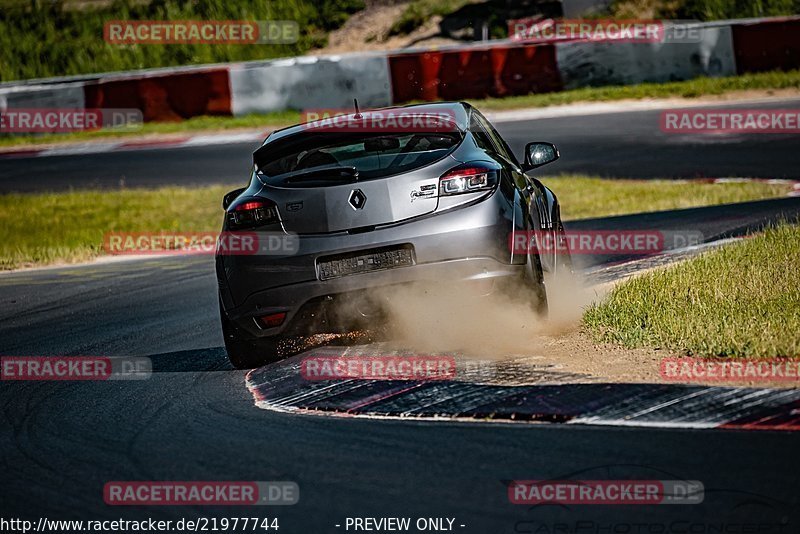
x,y
44,38
584,197
742,300
688,89
77,221
69,227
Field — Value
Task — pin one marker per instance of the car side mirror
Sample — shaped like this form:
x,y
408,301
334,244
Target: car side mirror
x,y
230,197
539,153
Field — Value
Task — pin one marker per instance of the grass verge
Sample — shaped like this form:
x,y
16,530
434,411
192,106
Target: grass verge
x,y
583,197
687,89
742,300
78,220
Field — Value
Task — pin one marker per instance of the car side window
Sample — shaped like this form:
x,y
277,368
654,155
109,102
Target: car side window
x,y
500,145
481,135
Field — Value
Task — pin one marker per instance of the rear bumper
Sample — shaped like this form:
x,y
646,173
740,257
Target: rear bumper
x,y
340,304
467,246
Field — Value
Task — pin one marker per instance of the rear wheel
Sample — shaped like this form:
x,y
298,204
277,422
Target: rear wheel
x,y
244,350
533,284
563,259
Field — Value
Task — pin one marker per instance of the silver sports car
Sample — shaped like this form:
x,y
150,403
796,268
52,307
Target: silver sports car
x,y
340,206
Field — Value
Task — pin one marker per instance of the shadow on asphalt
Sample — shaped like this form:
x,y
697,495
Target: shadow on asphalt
x,y
191,361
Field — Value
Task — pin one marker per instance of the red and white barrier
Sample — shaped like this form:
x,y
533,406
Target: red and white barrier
x,y
474,72
502,68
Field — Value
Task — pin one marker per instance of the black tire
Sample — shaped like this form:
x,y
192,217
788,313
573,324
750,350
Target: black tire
x,y
244,350
533,283
563,259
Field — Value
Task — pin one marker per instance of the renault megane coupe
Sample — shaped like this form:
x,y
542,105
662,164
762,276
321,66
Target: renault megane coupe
x,y
345,205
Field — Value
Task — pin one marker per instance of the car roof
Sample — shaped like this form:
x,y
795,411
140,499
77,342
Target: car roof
x,y
459,110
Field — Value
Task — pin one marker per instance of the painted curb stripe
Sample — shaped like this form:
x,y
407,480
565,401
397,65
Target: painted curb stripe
x,y
280,387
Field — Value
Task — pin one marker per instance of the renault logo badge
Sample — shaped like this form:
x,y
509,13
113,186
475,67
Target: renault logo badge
x,y
357,199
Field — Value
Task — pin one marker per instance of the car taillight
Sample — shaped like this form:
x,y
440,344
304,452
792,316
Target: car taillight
x,y
466,179
273,320
251,212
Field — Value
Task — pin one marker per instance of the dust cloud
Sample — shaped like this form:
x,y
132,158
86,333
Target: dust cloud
x,y
455,318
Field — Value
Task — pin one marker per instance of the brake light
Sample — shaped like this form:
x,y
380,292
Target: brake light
x,y
273,320
466,179
251,212
247,206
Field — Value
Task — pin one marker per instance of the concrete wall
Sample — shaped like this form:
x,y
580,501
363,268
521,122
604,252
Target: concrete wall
x,y
584,64
309,83
65,96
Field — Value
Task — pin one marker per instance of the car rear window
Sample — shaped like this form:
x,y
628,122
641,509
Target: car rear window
x,y
373,156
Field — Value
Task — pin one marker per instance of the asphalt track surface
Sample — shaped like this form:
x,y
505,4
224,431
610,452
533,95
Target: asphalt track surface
x,y
194,419
620,145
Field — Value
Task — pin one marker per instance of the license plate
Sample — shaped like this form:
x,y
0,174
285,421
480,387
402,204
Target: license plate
x,y
364,261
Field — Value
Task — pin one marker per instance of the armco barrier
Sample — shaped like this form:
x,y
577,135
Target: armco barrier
x,y
310,82
767,45
503,68
166,97
474,73
62,96
594,63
